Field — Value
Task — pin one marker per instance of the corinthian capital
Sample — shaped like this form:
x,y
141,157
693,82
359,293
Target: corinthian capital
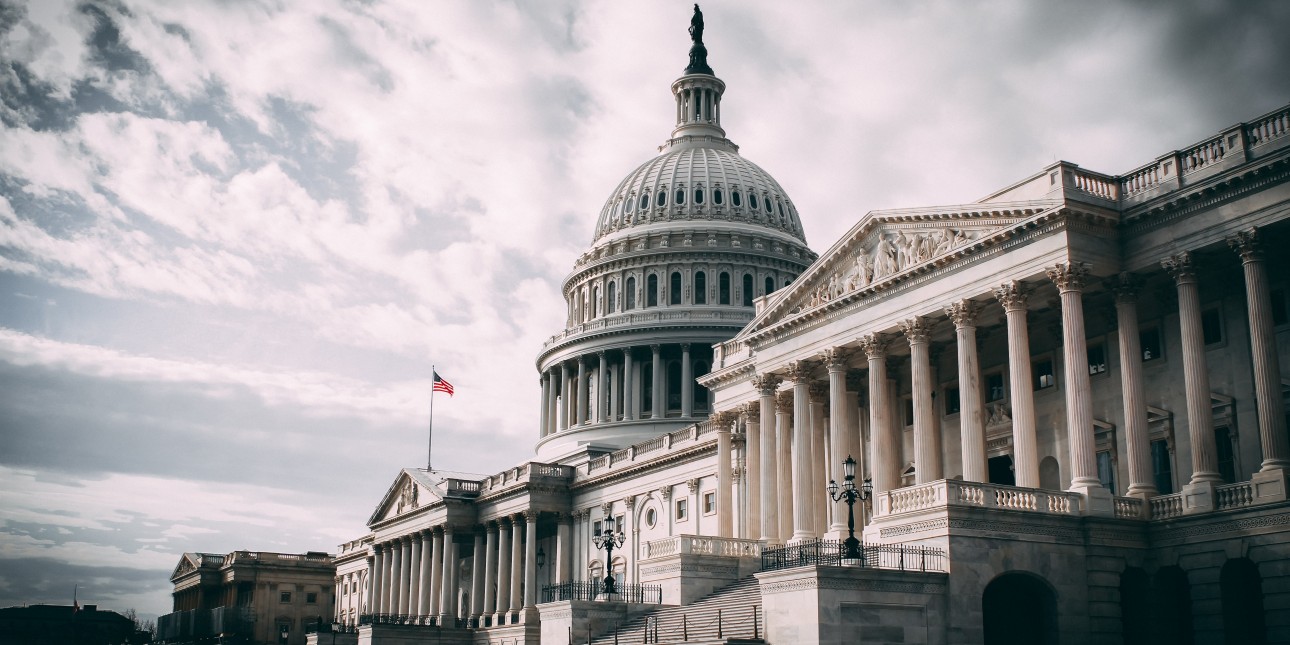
x,y
766,384
818,392
917,330
1012,295
836,358
1180,267
963,313
874,345
724,419
1125,287
798,371
784,402
751,411
1247,244
1068,276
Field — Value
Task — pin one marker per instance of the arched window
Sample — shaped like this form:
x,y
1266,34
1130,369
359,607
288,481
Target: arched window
x,y
752,200
680,196
734,198
661,198
717,197
595,301
783,219
644,201
630,295
673,386
698,195
651,290
1019,608
674,289
723,287
612,302
700,288
700,392
628,205
748,290
770,286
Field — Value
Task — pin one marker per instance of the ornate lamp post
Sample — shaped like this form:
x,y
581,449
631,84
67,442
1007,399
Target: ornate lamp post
x,y
850,493
609,540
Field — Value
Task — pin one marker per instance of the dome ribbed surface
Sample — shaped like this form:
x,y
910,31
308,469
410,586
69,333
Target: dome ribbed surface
x,y
718,174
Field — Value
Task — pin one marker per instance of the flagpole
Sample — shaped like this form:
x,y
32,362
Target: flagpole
x,y
430,440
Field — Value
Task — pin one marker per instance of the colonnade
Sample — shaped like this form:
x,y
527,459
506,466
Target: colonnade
x,y
784,430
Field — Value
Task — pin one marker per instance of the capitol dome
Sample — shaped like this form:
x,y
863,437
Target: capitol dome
x,y
684,249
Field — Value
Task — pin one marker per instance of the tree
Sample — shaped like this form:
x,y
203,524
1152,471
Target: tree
x,y
145,631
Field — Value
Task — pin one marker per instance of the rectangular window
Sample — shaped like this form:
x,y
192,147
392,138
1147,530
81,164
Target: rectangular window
x,y
1162,467
595,528
1280,310
709,503
1096,358
284,596
311,598
951,399
1152,348
682,509
994,387
1226,460
1211,325
1105,470
1043,373
909,412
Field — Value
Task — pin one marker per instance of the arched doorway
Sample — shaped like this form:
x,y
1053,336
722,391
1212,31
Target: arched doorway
x,y
1242,603
1172,607
1135,606
1019,609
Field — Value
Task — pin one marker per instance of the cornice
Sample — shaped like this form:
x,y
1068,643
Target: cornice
x,y
1207,194
693,453
765,258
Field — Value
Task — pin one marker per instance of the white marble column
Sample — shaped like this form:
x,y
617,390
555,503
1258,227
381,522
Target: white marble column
x,y
378,579
687,382
816,396
517,564
552,404
398,583
766,385
448,589
504,563
1263,349
602,389
1137,441
490,570
562,422
425,572
886,441
751,413
414,576
725,511
437,574
563,547
580,392
530,558
927,445
1069,278
841,438
1200,415
785,463
629,396
802,454
1025,448
477,578
971,410
545,382
658,403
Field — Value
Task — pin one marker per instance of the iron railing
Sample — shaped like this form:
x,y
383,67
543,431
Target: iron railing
x,y
582,590
410,619
903,557
739,623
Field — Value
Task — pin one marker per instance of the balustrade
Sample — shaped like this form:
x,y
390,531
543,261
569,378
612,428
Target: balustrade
x,y
1199,156
701,545
1273,126
1235,495
961,493
1166,506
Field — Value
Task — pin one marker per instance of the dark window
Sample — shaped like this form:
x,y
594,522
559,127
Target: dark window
x,y
1162,467
717,197
311,598
723,288
680,195
1105,471
700,288
674,386
700,392
709,503
1043,370
994,388
613,297
595,301
628,205
1211,325
909,412
644,201
1280,313
1243,610
651,291
770,286
734,198
1151,346
284,596
698,195
752,200
782,217
647,388
1226,461
660,199
674,292
681,508
748,290
952,399
1096,358
631,294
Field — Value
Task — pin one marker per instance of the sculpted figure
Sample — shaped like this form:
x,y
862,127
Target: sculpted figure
x,y
696,25
942,242
960,238
884,263
903,256
922,244
864,269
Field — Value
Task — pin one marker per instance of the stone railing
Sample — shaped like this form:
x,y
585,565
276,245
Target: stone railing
x,y
519,475
360,544
1201,155
1236,495
960,493
1166,506
1267,128
1095,184
739,316
1130,508
687,437
701,545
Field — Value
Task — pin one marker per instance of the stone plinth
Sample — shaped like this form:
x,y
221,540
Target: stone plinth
x,y
823,605
583,618
689,567
410,634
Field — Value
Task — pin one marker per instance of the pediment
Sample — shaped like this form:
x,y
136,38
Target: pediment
x,y
412,489
884,246
189,562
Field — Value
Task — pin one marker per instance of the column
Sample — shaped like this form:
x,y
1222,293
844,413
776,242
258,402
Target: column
x,y
687,382
629,397
751,412
563,547
490,569
857,419
1025,449
816,397
427,579
927,445
405,577
766,384
562,422
886,440
657,408
725,512
1263,349
503,569
377,579
616,392
437,574
517,565
545,382
784,465
552,404
1069,278
839,437
477,578
580,391
448,594
414,577
398,592
602,389
971,410
1141,481
530,558
1200,414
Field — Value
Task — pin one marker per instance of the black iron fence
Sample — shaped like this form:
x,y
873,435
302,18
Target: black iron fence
x,y
581,590
704,626
319,627
903,557
410,619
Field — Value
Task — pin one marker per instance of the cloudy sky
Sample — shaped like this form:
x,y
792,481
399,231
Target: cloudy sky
x,y
235,235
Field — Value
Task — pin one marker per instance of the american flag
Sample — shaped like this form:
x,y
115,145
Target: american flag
x,y
441,385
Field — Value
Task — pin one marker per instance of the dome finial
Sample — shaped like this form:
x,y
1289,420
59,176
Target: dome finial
x,y
698,53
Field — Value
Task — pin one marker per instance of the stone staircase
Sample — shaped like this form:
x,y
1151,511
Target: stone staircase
x,y
730,615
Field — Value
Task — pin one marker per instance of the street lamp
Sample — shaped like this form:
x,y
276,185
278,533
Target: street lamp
x,y
541,557
608,540
850,493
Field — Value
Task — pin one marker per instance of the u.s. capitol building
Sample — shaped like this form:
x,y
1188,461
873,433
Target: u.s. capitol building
x,y
1067,398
